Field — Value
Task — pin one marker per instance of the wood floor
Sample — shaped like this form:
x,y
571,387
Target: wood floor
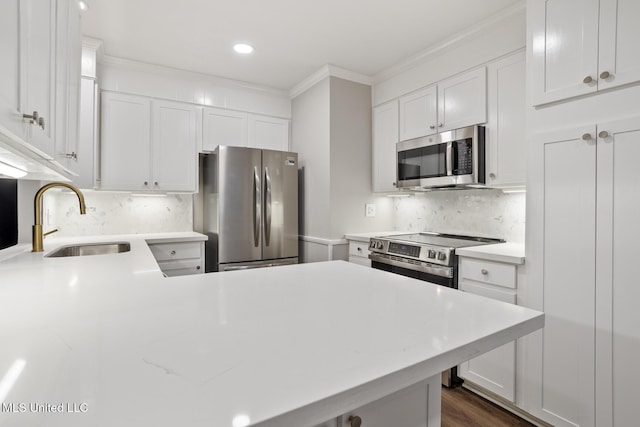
x,y
462,408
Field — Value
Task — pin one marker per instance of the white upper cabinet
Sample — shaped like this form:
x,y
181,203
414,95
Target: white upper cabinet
x,y
506,127
385,137
418,113
619,61
125,142
270,133
582,46
223,127
240,129
38,18
148,144
451,104
174,148
68,53
462,100
27,71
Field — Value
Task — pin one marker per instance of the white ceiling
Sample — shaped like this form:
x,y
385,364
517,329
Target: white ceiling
x,y
292,38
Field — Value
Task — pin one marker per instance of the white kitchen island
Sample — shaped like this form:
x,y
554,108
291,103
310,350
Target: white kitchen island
x,y
110,341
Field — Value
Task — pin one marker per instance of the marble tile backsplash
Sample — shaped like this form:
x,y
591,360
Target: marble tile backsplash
x,y
487,213
117,213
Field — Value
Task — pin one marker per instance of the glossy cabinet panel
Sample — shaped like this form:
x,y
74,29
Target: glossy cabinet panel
x,y
418,113
462,100
270,133
385,137
223,127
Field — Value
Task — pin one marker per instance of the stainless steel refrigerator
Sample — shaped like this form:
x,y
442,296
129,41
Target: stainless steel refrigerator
x,y
250,208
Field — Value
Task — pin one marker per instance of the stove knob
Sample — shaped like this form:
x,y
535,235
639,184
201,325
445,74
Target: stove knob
x,y
431,254
442,256
379,245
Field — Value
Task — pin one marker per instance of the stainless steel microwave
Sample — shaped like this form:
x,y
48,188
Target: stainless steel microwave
x,y
449,159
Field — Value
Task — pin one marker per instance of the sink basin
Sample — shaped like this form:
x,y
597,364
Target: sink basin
x,y
90,249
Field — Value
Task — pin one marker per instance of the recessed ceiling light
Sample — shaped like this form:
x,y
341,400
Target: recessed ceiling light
x,y
83,5
243,48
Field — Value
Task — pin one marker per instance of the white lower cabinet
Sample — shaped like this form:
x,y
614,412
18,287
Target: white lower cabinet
x,y
148,145
359,253
494,371
179,258
585,237
415,406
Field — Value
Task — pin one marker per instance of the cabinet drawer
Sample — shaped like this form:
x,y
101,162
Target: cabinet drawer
x,y
360,260
359,249
181,267
174,251
494,273
493,293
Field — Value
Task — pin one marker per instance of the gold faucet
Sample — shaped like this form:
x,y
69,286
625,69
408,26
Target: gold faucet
x,y
38,237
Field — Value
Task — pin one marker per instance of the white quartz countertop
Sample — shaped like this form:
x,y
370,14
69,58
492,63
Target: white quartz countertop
x,y
283,346
512,253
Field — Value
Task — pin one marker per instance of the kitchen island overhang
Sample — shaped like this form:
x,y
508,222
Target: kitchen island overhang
x,y
291,345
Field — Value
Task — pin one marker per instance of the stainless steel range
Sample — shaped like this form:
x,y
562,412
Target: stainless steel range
x,y
425,256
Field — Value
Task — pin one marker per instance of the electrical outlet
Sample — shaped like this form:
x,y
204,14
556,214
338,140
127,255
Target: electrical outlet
x,y
370,209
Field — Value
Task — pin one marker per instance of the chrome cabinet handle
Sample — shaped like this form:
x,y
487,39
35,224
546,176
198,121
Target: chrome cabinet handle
x,y
586,136
484,272
603,134
587,80
605,75
355,421
34,118
173,252
72,155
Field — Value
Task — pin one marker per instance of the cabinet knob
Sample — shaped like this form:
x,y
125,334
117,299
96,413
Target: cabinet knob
x,y
197,267
484,272
440,125
155,183
605,75
146,183
603,134
359,249
492,175
393,183
73,155
586,136
432,126
355,421
587,80
173,252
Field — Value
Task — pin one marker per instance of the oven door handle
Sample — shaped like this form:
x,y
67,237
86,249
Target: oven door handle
x,y
430,269
449,158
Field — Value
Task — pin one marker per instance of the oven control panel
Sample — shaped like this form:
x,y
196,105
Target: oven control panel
x,y
427,253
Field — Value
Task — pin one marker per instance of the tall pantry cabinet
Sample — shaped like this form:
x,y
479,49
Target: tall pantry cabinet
x,y
582,201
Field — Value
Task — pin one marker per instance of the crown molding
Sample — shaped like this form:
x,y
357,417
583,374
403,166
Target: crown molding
x,y
455,40
146,67
325,71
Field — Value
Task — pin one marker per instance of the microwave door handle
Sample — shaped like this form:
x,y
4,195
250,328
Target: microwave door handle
x,y
449,158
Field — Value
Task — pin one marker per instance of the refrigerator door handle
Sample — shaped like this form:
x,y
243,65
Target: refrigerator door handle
x,y
257,207
267,206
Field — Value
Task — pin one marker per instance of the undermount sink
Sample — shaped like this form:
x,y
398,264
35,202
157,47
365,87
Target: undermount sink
x,y
90,249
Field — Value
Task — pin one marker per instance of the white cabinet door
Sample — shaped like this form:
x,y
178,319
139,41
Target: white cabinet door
x,y
506,127
175,146
85,149
10,113
560,359
223,127
68,54
462,100
564,48
619,61
495,370
418,113
414,406
125,142
617,293
385,137
38,65
270,133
